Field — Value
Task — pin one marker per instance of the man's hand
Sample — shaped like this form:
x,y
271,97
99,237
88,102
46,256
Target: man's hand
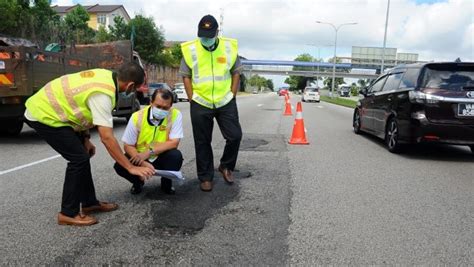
x,y
143,172
90,148
139,158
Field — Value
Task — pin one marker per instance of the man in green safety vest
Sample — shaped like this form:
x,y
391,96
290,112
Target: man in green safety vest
x,y
63,111
151,139
211,72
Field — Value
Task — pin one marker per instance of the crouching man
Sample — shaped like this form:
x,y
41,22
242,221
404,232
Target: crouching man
x,y
151,139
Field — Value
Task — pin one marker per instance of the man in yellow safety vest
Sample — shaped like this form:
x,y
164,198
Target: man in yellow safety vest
x,y
63,111
152,137
211,72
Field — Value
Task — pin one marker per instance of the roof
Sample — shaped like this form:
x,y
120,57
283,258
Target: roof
x,y
11,41
91,9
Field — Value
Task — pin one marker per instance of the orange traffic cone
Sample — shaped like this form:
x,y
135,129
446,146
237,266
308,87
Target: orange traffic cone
x,y
287,107
299,136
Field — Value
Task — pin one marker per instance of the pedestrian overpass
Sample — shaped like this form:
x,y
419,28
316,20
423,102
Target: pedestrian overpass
x,y
319,69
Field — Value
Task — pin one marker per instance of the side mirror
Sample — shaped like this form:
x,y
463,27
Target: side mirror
x,y
363,91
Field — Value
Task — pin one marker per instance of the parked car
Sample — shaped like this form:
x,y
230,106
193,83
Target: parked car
x,y
283,91
310,94
431,102
153,86
345,91
255,91
180,92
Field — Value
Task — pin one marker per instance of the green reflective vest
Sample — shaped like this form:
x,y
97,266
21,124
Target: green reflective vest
x,y
211,77
150,135
63,101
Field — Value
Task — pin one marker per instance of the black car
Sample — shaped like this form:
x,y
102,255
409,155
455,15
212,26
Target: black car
x,y
153,86
430,102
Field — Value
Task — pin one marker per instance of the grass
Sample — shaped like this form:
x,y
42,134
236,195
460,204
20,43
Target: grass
x,y
340,101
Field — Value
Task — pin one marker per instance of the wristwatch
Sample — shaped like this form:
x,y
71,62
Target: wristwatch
x,y
152,152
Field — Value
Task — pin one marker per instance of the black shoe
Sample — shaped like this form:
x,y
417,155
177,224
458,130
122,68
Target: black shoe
x,y
169,191
136,188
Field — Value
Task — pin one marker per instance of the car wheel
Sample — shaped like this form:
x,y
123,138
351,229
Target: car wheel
x,y
356,122
392,136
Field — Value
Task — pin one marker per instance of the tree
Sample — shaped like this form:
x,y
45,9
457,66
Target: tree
x,y
149,40
77,27
258,81
102,35
299,82
120,30
270,84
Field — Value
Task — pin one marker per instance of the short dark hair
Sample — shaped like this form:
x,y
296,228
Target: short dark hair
x,y
164,93
131,72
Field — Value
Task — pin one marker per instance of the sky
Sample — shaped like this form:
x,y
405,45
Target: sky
x,y
284,29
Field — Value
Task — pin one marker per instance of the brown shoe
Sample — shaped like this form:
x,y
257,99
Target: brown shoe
x,y
102,207
79,220
206,186
227,174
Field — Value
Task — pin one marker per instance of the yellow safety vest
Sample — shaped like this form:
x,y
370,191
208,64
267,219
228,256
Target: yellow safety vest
x,y
150,135
63,101
211,77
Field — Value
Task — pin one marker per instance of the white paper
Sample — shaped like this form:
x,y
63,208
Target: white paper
x,y
173,175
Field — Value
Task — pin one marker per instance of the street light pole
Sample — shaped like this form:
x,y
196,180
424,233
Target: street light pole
x,y
319,57
385,38
336,29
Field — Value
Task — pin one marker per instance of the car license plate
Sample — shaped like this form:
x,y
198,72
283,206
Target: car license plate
x,y
465,110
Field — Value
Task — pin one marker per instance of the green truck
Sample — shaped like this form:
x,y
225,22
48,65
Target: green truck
x,y
24,69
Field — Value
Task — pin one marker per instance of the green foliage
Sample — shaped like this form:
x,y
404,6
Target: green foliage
x,y
340,101
149,40
102,35
120,30
77,28
298,82
270,84
258,81
35,22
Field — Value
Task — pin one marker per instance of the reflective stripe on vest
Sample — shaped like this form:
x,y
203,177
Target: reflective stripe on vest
x,y
217,92
69,93
63,101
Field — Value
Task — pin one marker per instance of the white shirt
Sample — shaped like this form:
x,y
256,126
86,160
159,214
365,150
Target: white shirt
x,y
100,106
130,136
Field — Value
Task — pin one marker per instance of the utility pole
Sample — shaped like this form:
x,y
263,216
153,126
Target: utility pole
x,y
385,37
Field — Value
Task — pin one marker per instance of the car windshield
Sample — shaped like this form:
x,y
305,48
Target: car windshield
x,y
449,77
311,90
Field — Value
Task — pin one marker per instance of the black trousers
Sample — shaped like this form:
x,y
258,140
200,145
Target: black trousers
x,y
202,120
171,160
78,185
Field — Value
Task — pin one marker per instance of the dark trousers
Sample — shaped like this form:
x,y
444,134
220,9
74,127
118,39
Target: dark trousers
x,y
78,185
171,160
202,120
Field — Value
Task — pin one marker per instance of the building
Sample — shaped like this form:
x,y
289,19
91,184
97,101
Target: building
x,y
371,57
99,14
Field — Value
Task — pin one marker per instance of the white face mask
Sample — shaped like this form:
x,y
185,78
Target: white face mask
x,y
159,114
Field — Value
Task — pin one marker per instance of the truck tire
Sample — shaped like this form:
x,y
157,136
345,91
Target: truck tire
x,y
12,127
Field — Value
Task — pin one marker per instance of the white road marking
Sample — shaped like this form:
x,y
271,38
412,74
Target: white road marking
x,y
259,105
320,106
28,165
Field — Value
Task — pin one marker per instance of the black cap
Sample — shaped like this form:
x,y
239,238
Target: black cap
x,y
207,27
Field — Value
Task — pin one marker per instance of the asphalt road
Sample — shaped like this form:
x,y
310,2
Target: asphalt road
x,y
343,199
